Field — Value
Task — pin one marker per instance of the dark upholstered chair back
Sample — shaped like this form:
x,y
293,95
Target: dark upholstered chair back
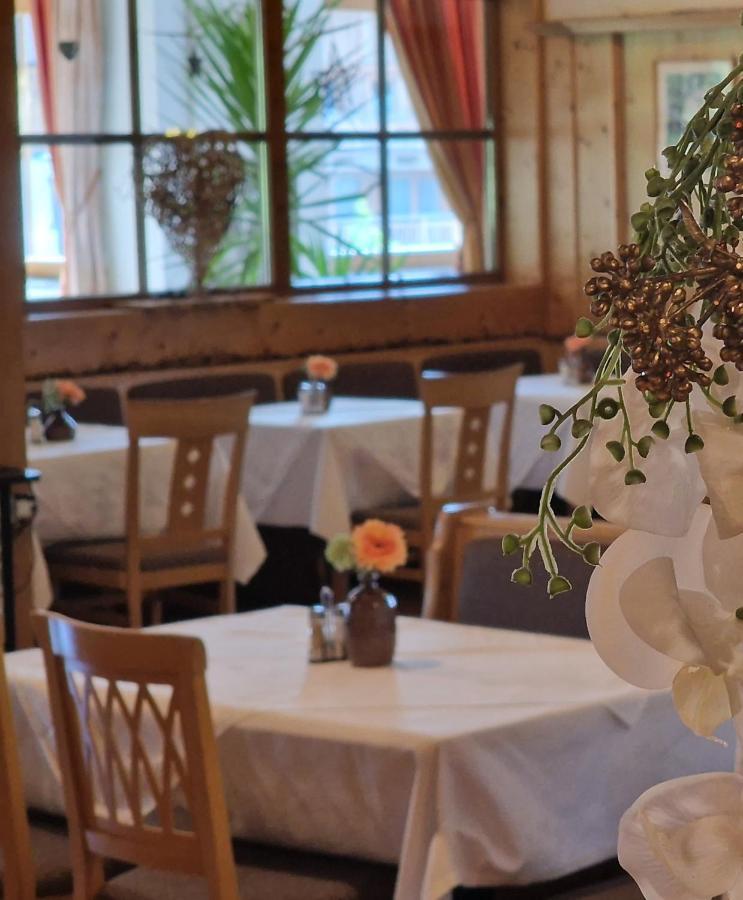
x,y
487,596
101,406
482,360
208,386
365,379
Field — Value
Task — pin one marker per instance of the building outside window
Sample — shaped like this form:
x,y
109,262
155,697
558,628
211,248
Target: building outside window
x,y
391,179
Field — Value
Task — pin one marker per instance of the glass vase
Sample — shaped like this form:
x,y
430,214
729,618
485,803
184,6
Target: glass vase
x,y
59,426
314,397
371,626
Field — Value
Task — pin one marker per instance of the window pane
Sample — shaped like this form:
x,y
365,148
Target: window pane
x,y
93,249
335,209
200,65
440,209
435,66
332,77
82,69
240,258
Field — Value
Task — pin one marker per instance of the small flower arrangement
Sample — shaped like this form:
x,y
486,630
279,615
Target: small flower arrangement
x,y
59,393
321,368
373,546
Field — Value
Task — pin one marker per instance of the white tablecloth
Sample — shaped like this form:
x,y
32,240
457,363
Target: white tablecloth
x,y
314,471
82,490
481,757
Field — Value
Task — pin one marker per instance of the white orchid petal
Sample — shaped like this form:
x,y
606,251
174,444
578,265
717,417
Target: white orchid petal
x,y
665,504
618,645
723,566
683,840
650,602
721,463
701,699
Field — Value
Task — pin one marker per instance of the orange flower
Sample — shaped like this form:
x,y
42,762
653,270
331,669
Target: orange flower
x,y
379,546
575,344
69,392
321,368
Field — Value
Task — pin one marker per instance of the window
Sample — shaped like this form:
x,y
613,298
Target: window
x,y
385,136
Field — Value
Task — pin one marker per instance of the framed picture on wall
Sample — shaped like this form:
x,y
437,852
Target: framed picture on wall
x,y
681,86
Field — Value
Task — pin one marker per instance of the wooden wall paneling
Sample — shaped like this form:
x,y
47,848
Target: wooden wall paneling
x,y
596,148
520,142
625,16
12,390
562,180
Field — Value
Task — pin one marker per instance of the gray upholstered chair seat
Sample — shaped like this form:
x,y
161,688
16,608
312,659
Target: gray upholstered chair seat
x,y
111,554
266,872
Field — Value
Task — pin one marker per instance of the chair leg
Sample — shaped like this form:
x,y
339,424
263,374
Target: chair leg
x,y
227,596
156,610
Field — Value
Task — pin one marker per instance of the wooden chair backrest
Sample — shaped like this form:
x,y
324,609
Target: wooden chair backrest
x,y
460,524
475,394
109,688
19,879
194,424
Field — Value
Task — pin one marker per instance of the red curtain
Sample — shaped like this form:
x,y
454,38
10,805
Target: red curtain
x,y
72,100
440,46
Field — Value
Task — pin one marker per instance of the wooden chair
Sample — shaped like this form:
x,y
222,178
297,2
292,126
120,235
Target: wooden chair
x,y
468,578
475,394
188,551
157,804
36,860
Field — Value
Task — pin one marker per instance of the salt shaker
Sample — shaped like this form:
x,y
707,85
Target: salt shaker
x,y
317,633
35,425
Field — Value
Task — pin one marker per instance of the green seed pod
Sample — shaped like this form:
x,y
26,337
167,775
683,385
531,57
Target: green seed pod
x,y
558,585
644,446
634,476
672,156
657,408
651,173
656,186
616,449
640,220
607,408
510,544
547,413
721,376
661,430
550,443
580,428
584,327
582,517
730,406
739,612
522,576
693,444
592,553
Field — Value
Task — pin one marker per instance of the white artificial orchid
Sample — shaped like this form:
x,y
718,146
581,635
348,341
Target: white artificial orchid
x,y
661,612
683,840
676,481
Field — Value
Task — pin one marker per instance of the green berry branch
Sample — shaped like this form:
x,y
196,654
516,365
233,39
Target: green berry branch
x,y
653,299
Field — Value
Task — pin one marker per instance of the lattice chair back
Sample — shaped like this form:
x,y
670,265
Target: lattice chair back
x,y
475,394
137,752
19,878
194,424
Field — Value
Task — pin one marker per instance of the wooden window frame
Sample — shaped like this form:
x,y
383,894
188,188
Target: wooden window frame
x,y
277,139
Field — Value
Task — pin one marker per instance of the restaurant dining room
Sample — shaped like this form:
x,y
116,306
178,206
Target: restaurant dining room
x,y
371,512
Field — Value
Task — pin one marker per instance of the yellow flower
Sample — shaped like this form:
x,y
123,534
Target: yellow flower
x,y
379,546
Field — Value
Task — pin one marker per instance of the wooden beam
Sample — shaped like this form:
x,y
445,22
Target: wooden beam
x,y
584,17
12,299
